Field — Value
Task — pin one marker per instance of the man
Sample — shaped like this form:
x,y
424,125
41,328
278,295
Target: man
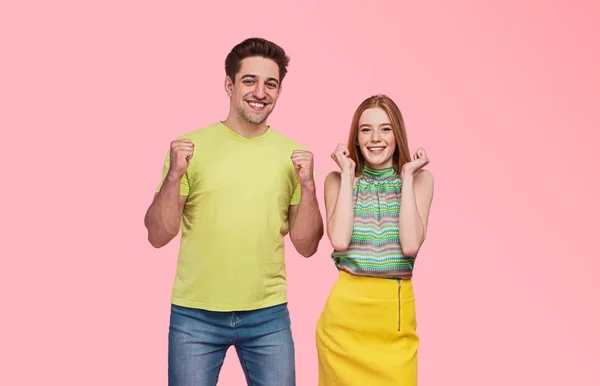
x,y
237,187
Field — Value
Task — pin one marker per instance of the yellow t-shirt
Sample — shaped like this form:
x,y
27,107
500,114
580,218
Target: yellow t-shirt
x,y
239,190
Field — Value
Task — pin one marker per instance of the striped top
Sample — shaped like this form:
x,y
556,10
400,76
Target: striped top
x,y
374,249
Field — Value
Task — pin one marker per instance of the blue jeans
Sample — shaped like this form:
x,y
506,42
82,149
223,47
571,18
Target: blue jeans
x,y
199,339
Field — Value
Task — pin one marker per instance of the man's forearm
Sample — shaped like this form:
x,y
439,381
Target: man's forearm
x,y
307,229
163,218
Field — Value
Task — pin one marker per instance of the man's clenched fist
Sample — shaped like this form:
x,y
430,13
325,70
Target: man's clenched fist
x,y
182,151
303,163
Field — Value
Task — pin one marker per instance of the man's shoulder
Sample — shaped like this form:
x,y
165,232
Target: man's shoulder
x,y
207,130
287,141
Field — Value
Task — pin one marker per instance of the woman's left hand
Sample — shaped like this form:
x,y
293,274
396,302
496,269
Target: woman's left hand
x,y
420,159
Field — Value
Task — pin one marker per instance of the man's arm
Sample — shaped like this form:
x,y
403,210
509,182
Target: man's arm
x,y
163,217
306,224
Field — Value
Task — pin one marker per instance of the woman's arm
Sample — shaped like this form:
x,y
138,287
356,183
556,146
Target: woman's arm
x,y
415,203
339,207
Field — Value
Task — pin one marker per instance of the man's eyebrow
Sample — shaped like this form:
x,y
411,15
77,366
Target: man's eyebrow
x,y
255,77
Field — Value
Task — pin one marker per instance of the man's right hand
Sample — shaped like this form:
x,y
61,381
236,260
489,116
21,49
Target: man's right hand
x,y
182,151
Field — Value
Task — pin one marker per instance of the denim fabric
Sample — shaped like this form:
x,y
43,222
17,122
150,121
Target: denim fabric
x,y
199,339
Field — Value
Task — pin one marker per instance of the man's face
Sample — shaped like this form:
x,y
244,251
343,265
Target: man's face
x,y
255,90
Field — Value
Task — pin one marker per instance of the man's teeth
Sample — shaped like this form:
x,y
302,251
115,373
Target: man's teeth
x,y
257,105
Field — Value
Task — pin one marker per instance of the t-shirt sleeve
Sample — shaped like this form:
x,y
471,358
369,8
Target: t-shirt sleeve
x,y
184,186
295,200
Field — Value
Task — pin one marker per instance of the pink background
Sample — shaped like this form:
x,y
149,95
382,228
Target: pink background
x,y
503,95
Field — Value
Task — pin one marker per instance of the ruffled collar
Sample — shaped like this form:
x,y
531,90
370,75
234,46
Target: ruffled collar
x,y
379,174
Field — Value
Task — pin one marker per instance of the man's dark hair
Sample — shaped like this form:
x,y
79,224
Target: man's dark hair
x,y
256,47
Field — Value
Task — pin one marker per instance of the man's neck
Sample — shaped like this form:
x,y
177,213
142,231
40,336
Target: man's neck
x,y
245,128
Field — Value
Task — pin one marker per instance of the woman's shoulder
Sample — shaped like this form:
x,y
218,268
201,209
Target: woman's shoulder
x,y
424,176
423,182
334,175
335,178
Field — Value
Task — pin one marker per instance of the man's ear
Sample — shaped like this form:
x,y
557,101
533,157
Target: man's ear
x,y
228,86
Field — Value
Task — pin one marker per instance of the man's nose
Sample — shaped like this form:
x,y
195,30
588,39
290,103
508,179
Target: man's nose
x,y
259,91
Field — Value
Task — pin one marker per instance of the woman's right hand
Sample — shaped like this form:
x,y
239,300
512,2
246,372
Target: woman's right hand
x,y
341,157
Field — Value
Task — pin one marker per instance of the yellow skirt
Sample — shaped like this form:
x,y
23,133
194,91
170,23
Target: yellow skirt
x,y
366,334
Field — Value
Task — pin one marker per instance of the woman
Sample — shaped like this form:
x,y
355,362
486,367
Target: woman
x,y
366,334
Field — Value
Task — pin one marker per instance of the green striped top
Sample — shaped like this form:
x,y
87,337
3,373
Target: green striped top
x,y
374,248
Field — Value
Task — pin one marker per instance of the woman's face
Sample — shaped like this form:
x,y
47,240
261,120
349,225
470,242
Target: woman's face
x,y
376,138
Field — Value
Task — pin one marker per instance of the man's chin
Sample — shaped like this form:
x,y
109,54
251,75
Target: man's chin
x,y
255,119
